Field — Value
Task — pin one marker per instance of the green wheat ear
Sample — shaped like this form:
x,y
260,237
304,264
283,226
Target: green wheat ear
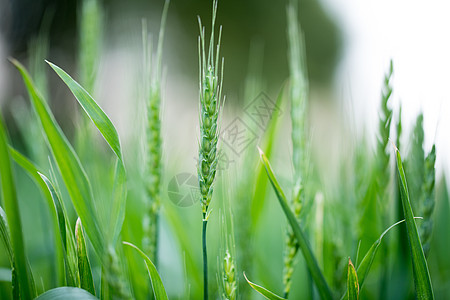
x,y
428,200
210,102
210,90
153,141
299,97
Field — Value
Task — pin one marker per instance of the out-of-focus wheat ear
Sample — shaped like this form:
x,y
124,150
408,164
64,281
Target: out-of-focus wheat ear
x,y
428,200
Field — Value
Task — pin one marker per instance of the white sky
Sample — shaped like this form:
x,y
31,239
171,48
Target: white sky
x,y
416,35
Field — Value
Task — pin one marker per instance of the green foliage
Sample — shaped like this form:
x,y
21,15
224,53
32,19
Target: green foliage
x,y
311,261
84,267
352,282
69,293
158,287
421,274
20,265
263,291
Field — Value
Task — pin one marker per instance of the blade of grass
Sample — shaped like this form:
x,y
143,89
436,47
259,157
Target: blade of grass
x,y
84,267
311,261
69,165
64,230
352,282
421,274
157,285
109,133
24,275
34,173
364,267
263,291
259,194
4,235
66,293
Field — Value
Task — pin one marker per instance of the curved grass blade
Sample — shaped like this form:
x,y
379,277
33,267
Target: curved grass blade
x,y
158,287
8,190
84,267
259,194
95,113
109,133
66,293
364,267
34,173
421,274
63,224
69,165
352,282
4,235
311,261
263,291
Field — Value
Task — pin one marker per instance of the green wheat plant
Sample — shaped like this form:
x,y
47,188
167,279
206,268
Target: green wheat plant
x,y
299,97
153,141
78,220
210,89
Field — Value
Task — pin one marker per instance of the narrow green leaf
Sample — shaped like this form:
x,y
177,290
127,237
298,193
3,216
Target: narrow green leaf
x,y
66,293
84,267
4,234
259,194
364,267
69,165
63,224
421,274
34,173
24,276
311,261
263,291
95,113
352,282
158,287
109,133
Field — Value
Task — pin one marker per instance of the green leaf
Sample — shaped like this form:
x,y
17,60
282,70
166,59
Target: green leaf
x,y
4,234
34,173
364,267
95,113
63,225
8,192
84,267
311,261
352,282
259,194
109,133
421,274
69,165
158,287
66,293
263,291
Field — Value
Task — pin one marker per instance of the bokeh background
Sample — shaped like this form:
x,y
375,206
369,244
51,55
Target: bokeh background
x,y
349,44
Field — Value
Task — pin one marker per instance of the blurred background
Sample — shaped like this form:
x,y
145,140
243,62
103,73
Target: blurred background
x,y
349,45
